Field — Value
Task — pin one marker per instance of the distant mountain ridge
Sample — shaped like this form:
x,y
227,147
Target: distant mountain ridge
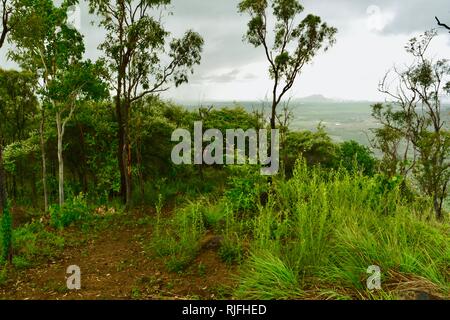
x,y
319,98
316,98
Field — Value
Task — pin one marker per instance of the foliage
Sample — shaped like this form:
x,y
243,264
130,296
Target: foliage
x,y
331,226
295,42
71,212
316,147
178,239
267,277
231,251
33,243
353,156
414,124
6,234
18,104
245,185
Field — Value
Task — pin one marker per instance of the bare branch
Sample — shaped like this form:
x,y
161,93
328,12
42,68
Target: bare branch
x,y
442,24
6,12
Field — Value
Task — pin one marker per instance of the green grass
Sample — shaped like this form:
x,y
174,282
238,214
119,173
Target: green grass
x,y
316,236
327,228
33,242
177,239
265,277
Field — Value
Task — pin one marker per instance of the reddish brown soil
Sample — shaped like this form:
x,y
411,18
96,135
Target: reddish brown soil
x,y
115,265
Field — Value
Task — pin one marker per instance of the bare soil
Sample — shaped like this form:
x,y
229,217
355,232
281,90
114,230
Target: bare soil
x,y
115,265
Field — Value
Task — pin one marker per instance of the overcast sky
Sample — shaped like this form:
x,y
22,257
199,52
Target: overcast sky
x,y
370,40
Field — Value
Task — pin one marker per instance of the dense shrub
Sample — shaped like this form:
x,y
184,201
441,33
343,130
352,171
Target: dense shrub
x,y
6,234
353,156
33,242
316,148
244,187
72,211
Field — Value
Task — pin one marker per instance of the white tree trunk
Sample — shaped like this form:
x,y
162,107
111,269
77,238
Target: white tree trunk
x,y
44,162
60,158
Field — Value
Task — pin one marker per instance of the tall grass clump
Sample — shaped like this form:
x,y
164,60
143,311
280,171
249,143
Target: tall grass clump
x,y
235,233
267,277
328,227
177,239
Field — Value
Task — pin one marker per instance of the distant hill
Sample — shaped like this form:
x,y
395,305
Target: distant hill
x,y
315,98
318,98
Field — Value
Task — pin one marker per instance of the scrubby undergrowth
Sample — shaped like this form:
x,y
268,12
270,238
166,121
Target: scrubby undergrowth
x,y
316,235
312,236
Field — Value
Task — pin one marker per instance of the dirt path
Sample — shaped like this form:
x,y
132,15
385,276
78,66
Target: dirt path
x,y
115,265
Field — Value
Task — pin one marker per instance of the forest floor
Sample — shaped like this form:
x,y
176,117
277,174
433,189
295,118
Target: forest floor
x,y
116,264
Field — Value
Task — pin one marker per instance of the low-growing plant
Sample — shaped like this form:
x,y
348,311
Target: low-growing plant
x,y
328,228
266,277
33,243
178,239
245,185
231,251
3,275
6,235
71,212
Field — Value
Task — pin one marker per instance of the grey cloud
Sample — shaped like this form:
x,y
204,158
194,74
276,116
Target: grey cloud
x,y
223,28
410,16
418,15
224,77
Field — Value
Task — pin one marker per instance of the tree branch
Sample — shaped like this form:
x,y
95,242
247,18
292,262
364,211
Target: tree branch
x,y
442,24
5,21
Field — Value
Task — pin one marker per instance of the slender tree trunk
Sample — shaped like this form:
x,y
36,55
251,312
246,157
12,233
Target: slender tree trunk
x,y
60,159
33,182
129,180
273,116
120,121
14,188
121,146
4,23
139,164
83,172
124,157
44,162
126,154
437,208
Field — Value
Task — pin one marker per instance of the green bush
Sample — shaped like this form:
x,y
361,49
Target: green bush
x,y
353,156
6,234
3,275
214,215
316,148
72,211
244,187
32,243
